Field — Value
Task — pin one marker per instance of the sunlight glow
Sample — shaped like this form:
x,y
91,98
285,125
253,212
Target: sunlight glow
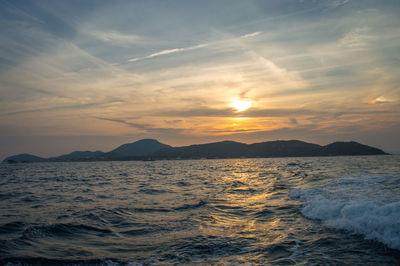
x,y
241,105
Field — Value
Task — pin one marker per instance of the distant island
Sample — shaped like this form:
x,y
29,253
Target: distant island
x,y
151,149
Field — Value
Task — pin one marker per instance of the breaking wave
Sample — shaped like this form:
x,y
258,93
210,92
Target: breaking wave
x,y
368,206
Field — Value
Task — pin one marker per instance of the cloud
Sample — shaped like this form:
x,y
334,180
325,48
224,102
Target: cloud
x,y
279,112
291,79
169,51
297,72
117,37
338,3
196,112
230,131
175,50
67,107
146,128
379,100
250,35
293,121
229,112
356,38
176,121
135,125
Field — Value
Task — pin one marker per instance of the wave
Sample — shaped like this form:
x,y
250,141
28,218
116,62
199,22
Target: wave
x,y
183,207
353,205
67,262
33,231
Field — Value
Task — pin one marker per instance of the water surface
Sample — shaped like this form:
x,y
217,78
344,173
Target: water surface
x,y
283,211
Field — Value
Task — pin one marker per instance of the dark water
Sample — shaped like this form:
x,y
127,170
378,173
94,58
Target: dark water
x,y
292,211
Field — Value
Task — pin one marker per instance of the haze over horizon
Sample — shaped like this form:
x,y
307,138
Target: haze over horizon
x,y
97,74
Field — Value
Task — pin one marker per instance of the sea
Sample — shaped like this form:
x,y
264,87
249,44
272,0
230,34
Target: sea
x,y
274,211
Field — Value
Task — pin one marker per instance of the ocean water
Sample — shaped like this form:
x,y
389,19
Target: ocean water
x,y
281,211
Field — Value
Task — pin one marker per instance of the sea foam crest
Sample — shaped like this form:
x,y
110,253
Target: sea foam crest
x,y
338,207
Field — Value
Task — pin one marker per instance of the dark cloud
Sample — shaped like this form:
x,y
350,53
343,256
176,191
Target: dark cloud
x,y
199,111
147,128
176,121
277,112
243,93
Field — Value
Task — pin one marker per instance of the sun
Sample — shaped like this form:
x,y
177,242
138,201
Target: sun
x,y
241,105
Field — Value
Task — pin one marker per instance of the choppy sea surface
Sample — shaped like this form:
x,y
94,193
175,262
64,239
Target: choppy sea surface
x,y
281,211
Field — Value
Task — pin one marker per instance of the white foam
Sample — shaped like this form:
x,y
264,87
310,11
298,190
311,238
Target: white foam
x,y
360,206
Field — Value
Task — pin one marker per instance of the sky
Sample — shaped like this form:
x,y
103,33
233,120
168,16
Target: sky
x,y
91,75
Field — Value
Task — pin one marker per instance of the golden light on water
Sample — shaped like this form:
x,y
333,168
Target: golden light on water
x,y
241,105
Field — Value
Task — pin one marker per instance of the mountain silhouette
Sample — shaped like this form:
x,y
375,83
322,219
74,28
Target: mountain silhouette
x,y
139,148
209,150
150,149
349,148
283,148
78,155
280,148
23,158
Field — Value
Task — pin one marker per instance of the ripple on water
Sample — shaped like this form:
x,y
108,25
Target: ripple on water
x,y
193,212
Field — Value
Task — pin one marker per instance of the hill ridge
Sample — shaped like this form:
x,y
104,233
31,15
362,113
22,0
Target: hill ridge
x,y
150,149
